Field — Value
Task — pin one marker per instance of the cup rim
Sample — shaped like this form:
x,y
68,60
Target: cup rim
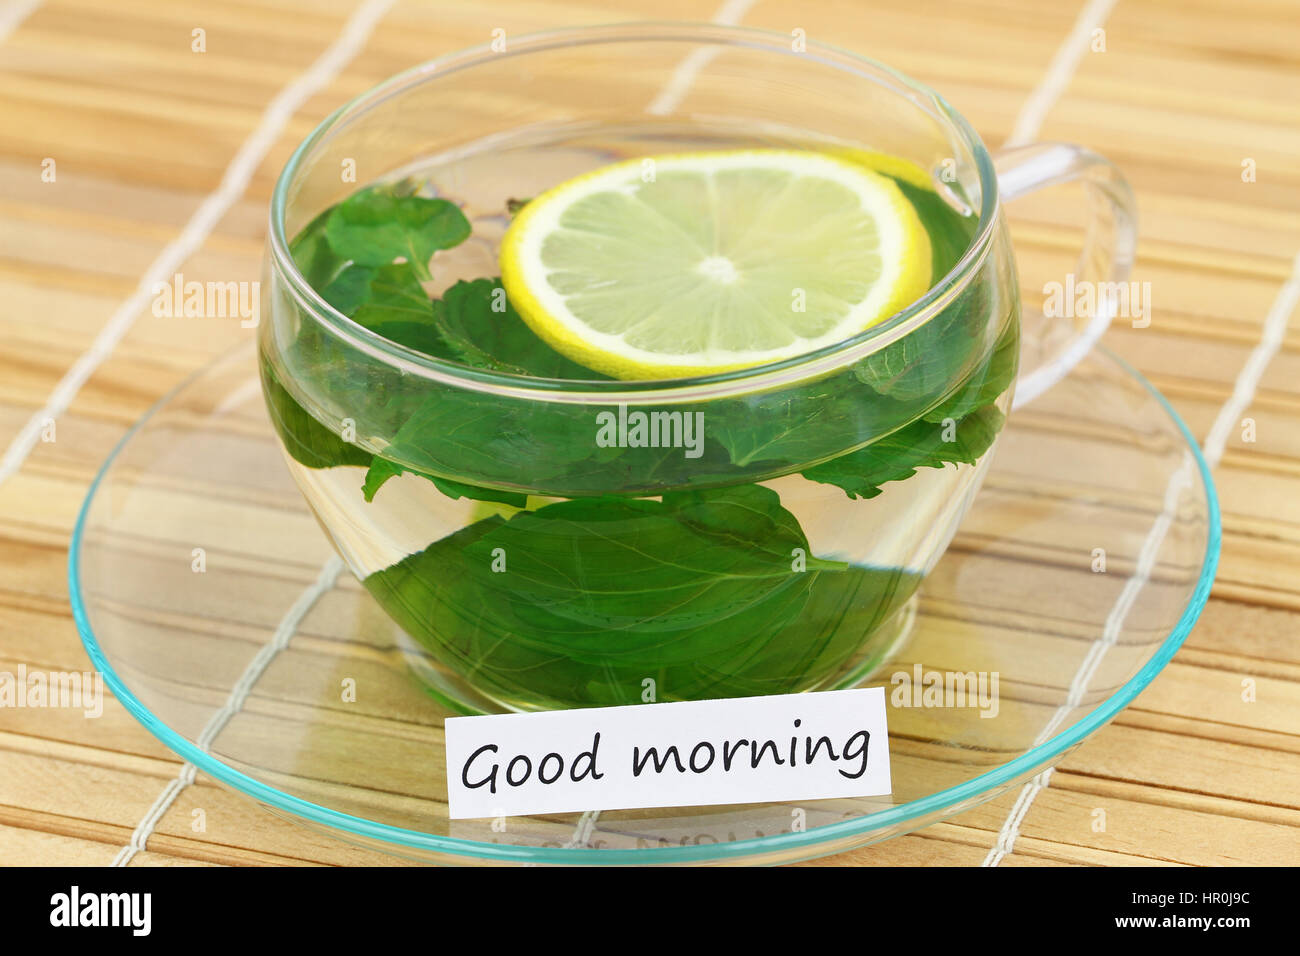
x,y
717,385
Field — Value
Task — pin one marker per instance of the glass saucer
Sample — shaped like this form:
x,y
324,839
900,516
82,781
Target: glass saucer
x,y
210,600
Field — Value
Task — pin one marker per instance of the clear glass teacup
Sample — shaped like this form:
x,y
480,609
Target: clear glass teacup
x,y
570,542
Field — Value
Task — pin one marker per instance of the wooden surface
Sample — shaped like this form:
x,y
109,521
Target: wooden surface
x,y
142,130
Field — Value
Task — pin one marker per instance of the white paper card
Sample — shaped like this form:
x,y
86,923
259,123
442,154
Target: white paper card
x,y
740,750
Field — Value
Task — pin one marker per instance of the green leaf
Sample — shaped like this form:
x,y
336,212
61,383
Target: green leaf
x,y
922,363
455,431
747,515
697,591
312,253
389,301
465,432
312,444
306,440
374,227
347,290
988,382
481,326
381,469
799,425
394,294
921,444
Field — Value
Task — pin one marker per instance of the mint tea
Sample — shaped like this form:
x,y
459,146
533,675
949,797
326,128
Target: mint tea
x,y
561,486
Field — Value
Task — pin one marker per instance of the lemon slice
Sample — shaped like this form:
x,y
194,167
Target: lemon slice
x,y
696,263
895,166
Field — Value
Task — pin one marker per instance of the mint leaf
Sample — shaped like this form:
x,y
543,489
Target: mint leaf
x,y
919,445
373,228
697,591
306,440
746,514
466,313
920,364
458,489
389,301
312,253
459,432
381,469
397,307
481,326
798,425
312,444
988,382
348,289
464,326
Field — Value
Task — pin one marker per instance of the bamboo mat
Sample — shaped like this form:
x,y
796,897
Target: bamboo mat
x,y
142,130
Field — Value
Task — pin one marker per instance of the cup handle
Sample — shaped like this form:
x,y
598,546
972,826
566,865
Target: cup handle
x,y
1053,346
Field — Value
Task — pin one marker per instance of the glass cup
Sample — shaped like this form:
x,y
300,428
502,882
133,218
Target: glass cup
x,y
552,543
